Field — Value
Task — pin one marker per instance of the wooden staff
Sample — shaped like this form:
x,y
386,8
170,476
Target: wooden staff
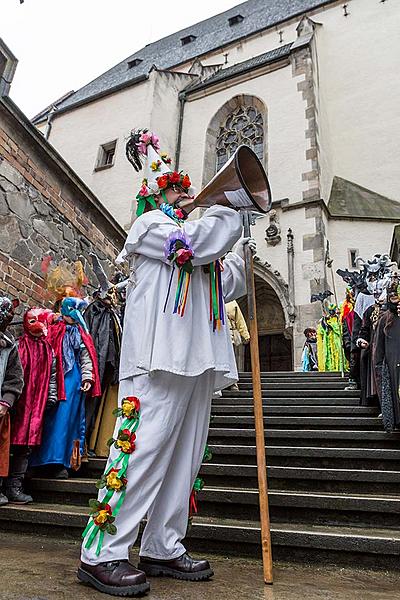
x,y
258,408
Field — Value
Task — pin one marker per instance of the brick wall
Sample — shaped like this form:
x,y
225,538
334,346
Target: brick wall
x,y
44,209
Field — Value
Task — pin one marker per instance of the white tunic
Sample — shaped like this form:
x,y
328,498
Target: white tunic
x,y
154,340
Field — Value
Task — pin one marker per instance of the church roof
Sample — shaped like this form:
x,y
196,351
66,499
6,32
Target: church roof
x,y
232,25
243,67
349,200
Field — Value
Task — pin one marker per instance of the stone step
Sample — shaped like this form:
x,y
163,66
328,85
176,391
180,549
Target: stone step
x,y
306,437
297,392
294,374
361,481
224,534
368,510
300,385
371,510
294,409
325,423
283,401
312,456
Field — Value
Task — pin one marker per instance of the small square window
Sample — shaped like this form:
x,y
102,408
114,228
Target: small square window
x,y
187,39
353,254
106,156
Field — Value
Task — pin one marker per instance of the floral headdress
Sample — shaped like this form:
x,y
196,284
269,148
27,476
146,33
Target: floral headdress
x,y
143,147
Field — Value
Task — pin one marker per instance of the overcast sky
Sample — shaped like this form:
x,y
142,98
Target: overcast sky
x,y
63,44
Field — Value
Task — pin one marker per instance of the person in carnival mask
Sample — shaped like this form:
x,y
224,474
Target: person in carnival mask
x,y
387,357
309,359
77,374
40,392
329,341
367,340
176,351
11,384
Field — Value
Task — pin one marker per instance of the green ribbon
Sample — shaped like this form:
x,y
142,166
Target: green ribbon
x,y
214,291
141,204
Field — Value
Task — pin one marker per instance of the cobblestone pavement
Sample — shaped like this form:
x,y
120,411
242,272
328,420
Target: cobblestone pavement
x,y
40,568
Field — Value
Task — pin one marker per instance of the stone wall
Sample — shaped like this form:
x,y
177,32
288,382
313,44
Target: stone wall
x,y
44,209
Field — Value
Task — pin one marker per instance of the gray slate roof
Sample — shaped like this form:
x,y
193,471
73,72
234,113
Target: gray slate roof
x,y
210,34
349,200
247,65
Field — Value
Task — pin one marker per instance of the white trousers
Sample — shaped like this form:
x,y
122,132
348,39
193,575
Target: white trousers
x,y
170,441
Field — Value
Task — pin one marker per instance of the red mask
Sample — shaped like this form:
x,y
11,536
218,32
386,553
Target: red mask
x,y
37,320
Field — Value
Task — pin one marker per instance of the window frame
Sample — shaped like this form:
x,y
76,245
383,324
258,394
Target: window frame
x,y
102,153
357,254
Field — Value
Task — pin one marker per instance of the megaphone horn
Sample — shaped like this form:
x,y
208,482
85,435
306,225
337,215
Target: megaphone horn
x,y
241,184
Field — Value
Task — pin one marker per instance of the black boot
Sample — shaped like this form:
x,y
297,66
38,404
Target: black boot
x,y
15,492
184,567
3,498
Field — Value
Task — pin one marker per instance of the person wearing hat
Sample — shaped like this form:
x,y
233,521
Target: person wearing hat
x,y
176,351
11,384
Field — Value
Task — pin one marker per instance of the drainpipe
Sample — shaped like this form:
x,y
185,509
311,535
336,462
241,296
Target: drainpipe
x,y
50,117
290,258
182,100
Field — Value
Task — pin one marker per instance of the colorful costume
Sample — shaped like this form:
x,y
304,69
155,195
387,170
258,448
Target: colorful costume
x,y
176,351
104,325
40,392
309,357
11,384
76,362
329,341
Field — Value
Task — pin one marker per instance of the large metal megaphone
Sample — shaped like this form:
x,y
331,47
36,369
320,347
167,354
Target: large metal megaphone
x,y
241,183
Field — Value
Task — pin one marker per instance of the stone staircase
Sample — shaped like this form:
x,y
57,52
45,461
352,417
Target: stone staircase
x,y
334,478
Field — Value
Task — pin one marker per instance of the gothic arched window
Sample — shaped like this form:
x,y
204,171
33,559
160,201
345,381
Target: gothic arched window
x,y
244,125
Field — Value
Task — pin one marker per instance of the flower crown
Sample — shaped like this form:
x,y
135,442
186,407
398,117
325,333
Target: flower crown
x,y
162,182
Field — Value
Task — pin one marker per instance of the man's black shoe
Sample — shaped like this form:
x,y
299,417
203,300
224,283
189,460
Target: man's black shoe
x,y
117,578
184,567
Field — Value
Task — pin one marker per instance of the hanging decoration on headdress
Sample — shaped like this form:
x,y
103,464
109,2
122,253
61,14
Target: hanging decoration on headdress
x,y
63,279
142,150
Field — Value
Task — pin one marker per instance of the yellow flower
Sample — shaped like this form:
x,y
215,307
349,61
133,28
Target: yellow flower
x,y
124,445
127,408
154,166
113,481
102,517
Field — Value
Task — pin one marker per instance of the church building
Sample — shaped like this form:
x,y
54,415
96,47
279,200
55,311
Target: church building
x,y
309,85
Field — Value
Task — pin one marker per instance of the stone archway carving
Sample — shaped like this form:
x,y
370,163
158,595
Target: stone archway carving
x,y
281,289
235,104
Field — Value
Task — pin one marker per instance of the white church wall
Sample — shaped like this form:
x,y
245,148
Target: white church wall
x,y
78,134
286,144
359,58
368,237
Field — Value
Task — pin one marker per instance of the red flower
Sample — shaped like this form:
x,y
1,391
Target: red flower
x,y
175,177
183,255
162,182
125,432
134,401
179,213
186,183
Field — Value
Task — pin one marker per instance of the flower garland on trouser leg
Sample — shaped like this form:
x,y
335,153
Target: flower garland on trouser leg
x,y
114,478
198,486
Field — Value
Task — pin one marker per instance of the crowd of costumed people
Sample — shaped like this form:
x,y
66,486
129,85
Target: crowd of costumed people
x,y
59,379
361,336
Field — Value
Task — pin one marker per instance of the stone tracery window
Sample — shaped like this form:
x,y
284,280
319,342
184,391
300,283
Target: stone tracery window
x,y
244,125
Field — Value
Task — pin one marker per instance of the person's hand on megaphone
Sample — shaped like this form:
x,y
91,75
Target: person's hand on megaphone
x,y
241,244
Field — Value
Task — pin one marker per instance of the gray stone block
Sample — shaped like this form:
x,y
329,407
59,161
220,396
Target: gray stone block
x,y
21,205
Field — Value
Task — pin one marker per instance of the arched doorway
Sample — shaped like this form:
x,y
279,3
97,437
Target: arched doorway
x,y
275,341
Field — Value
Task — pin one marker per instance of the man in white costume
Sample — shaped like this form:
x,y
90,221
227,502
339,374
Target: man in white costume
x,y
176,351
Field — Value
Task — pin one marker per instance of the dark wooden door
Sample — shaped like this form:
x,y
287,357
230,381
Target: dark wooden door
x,y
275,353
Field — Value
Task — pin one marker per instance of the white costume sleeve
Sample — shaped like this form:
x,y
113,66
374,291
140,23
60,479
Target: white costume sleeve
x,y
233,277
211,236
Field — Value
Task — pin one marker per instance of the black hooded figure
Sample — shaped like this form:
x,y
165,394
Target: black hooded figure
x,y
104,324
387,358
